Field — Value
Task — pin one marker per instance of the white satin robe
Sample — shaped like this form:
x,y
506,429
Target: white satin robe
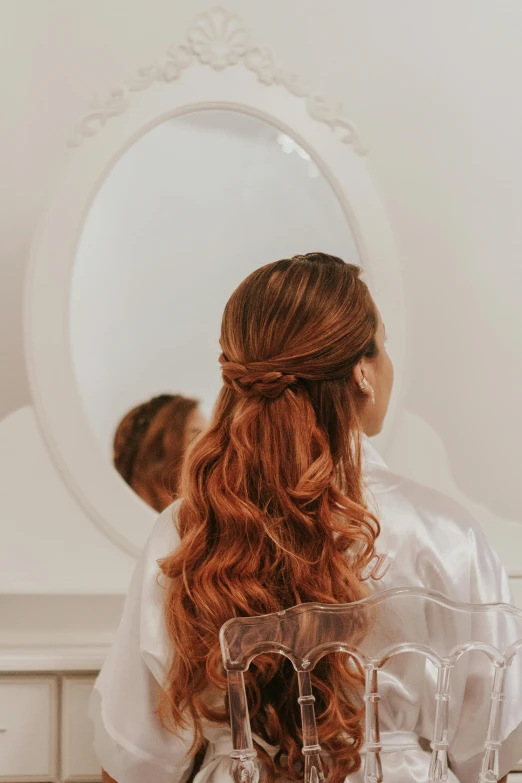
x,y
431,542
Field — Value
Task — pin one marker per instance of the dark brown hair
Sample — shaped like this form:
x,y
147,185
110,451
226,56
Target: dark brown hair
x,y
149,446
273,510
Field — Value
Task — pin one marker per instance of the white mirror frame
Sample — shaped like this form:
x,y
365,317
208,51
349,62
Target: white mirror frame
x,y
215,68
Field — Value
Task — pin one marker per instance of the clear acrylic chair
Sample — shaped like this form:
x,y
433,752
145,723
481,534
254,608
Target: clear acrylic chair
x,y
374,631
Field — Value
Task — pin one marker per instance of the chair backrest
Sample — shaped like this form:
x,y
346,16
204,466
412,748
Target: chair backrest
x,y
374,631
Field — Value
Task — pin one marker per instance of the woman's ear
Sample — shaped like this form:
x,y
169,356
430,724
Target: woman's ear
x,y
361,371
358,373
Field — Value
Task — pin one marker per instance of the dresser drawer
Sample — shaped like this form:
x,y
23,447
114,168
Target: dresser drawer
x,y
28,729
79,764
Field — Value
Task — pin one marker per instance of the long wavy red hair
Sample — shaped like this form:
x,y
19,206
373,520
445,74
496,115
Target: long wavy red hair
x,y
273,511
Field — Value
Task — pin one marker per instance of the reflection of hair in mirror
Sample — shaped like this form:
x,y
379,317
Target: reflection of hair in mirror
x,y
149,445
274,511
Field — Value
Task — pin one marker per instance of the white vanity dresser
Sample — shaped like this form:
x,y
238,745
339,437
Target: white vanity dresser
x,y
47,670
45,731
220,109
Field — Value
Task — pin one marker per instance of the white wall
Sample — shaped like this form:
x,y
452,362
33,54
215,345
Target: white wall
x,y
434,87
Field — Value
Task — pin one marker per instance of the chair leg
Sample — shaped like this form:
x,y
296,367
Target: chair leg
x,y
489,770
314,772
243,755
372,744
439,746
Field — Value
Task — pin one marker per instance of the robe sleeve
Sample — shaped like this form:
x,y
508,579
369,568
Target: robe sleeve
x,y
488,584
130,742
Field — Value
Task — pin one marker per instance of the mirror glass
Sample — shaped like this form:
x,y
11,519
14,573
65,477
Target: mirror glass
x,y
184,215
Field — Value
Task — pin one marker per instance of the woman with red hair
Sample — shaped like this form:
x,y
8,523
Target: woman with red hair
x,y
285,501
